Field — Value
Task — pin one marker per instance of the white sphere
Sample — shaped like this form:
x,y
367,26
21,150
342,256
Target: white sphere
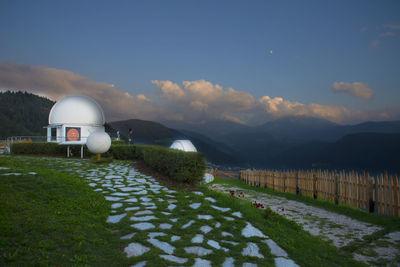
x,y
98,142
77,109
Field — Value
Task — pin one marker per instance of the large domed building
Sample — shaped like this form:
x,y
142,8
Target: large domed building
x,y
73,118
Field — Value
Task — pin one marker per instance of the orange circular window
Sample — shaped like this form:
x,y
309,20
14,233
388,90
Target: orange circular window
x,y
72,135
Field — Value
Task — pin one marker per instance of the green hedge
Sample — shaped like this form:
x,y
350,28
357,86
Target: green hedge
x,y
118,142
182,166
188,167
47,149
38,148
122,152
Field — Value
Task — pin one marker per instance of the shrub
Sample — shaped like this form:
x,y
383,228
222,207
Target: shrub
x,y
188,167
118,142
38,148
46,149
123,152
182,166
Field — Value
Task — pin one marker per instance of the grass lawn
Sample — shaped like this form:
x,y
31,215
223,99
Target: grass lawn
x,y
52,219
389,223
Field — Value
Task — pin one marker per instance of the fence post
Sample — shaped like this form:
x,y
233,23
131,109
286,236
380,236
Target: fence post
x,y
396,195
297,183
273,180
371,189
284,180
336,197
314,186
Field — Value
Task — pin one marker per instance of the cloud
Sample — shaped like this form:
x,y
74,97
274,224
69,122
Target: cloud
x,y
55,84
392,26
234,119
387,34
195,99
278,107
374,43
143,98
357,89
191,101
169,90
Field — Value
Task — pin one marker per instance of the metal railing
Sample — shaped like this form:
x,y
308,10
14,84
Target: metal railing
x,y
5,145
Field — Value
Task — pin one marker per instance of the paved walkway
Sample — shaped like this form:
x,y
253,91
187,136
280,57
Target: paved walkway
x,y
160,227
339,229
157,222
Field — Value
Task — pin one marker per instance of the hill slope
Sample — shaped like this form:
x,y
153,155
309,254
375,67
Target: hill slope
x,y
23,114
148,132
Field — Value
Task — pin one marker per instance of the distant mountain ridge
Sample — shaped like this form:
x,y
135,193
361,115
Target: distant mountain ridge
x,y
148,132
291,142
291,127
305,142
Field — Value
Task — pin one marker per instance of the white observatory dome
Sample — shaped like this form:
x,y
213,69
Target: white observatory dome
x,y
77,110
184,145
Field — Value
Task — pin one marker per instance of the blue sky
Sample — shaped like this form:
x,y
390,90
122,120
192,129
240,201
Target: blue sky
x,y
129,44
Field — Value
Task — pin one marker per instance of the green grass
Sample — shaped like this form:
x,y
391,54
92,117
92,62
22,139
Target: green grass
x,y
55,218
389,223
302,247
52,219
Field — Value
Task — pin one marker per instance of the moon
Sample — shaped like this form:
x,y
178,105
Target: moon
x,y
270,51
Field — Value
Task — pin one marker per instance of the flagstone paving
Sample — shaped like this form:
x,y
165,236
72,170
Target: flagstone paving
x,y
340,229
158,225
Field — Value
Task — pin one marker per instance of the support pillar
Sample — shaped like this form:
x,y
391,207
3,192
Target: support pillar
x,y
48,134
81,151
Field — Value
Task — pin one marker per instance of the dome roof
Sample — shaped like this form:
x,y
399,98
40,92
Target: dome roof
x,y
184,145
77,109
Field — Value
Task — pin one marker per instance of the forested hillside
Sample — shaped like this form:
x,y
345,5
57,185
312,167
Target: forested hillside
x,y
22,113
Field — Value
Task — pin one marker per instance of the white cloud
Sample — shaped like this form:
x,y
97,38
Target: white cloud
x,y
374,43
392,26
234,119
357,89
199,106
169,90
55,84
193,101
387,34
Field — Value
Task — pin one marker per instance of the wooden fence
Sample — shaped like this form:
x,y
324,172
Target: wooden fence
x,y
225,174
374,193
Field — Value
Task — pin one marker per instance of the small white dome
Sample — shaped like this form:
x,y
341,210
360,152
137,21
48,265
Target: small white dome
x,y
208,178
98,142
77,110
184,145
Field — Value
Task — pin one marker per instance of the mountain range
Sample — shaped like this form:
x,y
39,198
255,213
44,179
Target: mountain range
x,y
305,142
290,142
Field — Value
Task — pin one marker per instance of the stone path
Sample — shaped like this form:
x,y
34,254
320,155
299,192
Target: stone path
x,y
339,229
157,224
